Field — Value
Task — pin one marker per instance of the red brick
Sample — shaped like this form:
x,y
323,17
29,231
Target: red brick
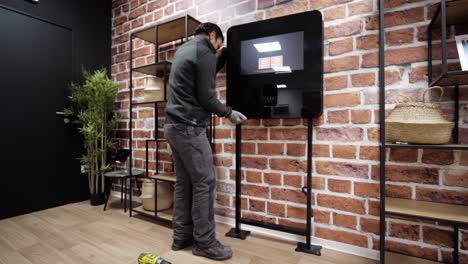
x,y
288,134
339,186
405,55
442,196
344,29
276,209
395,3
245,8
318,4
120,20
344,151
345,169
403,155
271,122
456,178
321,216
374,208
223,133
336,82
418,74
366,189
399,37
259,217
341,236
255,190
341,203
397,18
338,117
290,195
412,250
137,12
360,116
254,134
297,212
223,161
318,183
270,148
320,150
412,174
265,3
254,162
398,191
256,205
439,157
345,134
343,220
288,165
334,13
340,46
360,7
464,240
292,180
287,9
297,150
292,122
370,60
437,236
344,99
272,178
341,64
367,42
363,79
157,4
254,176
223,199
369,153
289,223
370,225
404,231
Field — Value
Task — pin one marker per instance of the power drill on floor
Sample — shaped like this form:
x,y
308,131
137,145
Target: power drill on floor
x,y
146,258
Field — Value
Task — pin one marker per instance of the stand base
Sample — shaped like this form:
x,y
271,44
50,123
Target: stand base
x,y
313,249
241,235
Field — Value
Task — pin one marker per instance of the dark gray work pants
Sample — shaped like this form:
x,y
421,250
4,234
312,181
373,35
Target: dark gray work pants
x,y
194,192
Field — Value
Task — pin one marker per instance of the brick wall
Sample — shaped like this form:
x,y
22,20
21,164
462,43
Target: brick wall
x,y
345,185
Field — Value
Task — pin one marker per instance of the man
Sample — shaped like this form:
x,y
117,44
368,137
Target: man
x,y
189,108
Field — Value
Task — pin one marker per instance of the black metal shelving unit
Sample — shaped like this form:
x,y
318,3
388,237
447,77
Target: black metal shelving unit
x,y
448,14
162,33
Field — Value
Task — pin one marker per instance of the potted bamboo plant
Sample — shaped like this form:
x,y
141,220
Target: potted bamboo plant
x,y
91,107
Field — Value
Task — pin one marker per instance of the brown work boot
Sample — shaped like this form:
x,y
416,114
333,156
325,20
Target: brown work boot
x,y
216,252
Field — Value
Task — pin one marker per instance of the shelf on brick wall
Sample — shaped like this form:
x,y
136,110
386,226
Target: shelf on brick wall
x,y
394,258
451,78
448,146
155,69
455,13
164,177
428,210
168,31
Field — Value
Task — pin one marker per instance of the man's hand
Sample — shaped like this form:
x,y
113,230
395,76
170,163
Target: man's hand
x,y
236,117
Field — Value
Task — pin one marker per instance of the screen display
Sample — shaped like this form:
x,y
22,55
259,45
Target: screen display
x,y
275,54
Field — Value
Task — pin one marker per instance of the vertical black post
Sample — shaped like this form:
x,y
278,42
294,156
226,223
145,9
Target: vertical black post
x,y
456,113
455,244
146,161
237,232
130,118
307,247
238,175
156,45
444,36
156,135
429,53
382,128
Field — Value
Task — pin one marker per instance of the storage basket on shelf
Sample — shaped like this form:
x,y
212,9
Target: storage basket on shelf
x,y
165,192
418,123
154,89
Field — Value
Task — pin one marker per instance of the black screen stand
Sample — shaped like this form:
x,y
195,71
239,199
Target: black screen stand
x,y
236,232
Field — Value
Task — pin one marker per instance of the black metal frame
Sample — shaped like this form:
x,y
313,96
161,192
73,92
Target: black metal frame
x,y
236,232
383,145
156,113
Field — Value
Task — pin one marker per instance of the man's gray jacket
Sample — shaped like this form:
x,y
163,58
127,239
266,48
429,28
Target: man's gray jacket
x,y
192,81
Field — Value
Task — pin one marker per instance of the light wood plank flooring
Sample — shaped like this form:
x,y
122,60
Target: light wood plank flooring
x,y
79,233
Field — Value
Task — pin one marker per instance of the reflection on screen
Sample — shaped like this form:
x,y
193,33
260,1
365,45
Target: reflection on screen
x,y
275,54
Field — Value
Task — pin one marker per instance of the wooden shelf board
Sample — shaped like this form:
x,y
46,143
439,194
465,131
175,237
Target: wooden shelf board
x,y
165,214
155,69
452,78
429,210
455,13
447,146
168,31
394,258
164,177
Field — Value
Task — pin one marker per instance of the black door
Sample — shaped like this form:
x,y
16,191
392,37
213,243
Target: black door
x,y
36,65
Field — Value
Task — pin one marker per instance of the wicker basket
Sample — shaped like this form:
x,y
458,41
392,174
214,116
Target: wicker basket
x,y
418,123
165,193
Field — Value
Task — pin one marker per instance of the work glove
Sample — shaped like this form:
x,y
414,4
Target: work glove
x,y
236,117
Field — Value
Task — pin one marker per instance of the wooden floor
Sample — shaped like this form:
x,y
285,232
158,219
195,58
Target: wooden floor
x,y
79,233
